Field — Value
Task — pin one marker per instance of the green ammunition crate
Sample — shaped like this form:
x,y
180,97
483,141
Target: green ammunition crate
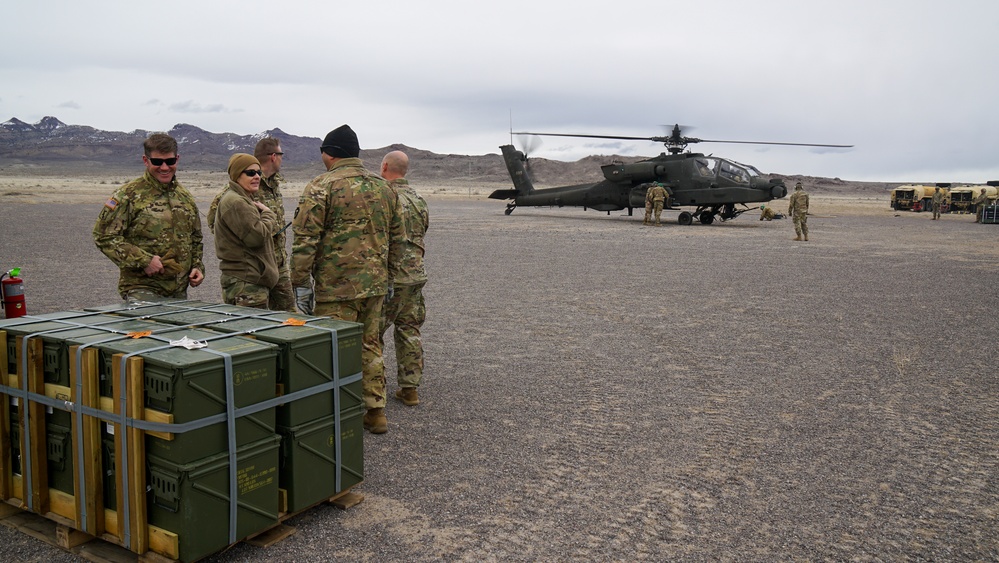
x,y
58,445
93,336
151,310
192,499
190,384
108,477
55,368
305,360
308,458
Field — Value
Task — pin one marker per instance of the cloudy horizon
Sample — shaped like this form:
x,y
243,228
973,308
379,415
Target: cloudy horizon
x,y
909,84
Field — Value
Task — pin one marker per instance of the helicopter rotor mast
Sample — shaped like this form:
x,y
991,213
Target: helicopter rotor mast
x,y
676,142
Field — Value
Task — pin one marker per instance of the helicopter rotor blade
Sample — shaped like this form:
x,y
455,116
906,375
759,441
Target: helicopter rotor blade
x,y
770,143
683,139
589,136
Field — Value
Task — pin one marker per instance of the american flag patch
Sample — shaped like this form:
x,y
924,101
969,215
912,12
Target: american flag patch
x,y
111,203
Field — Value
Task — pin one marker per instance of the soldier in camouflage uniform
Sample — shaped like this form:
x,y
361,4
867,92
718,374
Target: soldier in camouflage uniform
x,y
244,234
345,228
655,196
767,213
981,202
938,198
405,307
268,152
658,194
797,208
151,230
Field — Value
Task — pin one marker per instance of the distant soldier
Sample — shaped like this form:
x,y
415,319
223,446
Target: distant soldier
x,y
938,198
655,196
981,202
151,230
767,213
405,308
346,227
798,210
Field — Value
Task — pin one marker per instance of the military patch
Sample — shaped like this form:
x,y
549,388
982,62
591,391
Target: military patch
x,y
111,204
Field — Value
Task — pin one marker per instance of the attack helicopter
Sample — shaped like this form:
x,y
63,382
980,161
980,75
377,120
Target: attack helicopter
x,y
714,186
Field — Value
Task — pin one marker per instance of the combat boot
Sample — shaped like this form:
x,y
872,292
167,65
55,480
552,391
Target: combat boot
x,y
806,237
797,238
375,421
408,396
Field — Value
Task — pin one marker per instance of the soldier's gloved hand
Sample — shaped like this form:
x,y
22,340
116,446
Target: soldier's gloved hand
x,y
305,299
390,294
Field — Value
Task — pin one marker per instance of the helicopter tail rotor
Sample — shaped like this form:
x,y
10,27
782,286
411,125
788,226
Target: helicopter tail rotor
x,y
528,143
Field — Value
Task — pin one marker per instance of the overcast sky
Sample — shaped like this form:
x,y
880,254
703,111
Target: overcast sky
x,y
913,84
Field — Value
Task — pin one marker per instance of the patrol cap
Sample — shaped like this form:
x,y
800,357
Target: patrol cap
x,y
341,143
239,162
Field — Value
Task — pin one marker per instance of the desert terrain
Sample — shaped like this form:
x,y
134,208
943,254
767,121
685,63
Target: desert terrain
x,y
596,390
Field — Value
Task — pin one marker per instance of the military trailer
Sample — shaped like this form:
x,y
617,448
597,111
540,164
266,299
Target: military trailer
x,y
914,197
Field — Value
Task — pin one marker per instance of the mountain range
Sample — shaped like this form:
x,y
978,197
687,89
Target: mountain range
x,y
51,147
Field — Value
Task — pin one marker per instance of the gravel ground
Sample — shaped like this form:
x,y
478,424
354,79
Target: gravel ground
x,y
599,390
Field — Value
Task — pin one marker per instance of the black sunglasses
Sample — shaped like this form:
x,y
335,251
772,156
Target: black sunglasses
x,y
252,173
277,153
160,161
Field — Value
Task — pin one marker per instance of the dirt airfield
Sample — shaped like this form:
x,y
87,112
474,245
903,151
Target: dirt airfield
x,y
596,390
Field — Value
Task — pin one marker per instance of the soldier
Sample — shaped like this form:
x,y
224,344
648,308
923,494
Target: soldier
x,y
655,196
268,152
797,208
938,198
405,307
767,213
151,230
244,234
981,202
346,226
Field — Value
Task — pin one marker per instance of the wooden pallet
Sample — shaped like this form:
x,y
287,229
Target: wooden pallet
x,y
100,550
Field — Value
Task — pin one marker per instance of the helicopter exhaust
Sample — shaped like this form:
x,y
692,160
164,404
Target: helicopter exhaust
x,y
515,165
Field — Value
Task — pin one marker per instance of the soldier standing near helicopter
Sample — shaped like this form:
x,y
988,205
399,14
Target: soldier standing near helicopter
x,y
798,210
655,196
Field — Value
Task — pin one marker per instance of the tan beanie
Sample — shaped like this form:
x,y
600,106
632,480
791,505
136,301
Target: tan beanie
x,y
239,162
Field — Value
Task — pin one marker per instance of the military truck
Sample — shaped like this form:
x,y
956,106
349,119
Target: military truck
x,y
963,197
915,197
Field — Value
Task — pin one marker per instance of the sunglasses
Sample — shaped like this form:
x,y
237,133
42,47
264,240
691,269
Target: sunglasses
x,y
277,153
252,173
161,161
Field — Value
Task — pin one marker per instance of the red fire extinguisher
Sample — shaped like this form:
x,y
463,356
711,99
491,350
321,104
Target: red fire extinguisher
x,y
12,294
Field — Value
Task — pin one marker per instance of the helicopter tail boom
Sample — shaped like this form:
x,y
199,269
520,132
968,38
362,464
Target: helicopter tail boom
x,y
516,166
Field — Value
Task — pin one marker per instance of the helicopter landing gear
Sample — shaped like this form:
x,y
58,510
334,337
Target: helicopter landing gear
x,y
509,208
707,217
685,218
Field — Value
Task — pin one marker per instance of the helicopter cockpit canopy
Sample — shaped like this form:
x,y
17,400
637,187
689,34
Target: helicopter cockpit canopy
x,y
735,172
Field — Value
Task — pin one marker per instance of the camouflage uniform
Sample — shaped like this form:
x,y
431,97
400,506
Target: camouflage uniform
x,y
346,226
981,202
767,213
938,198
243,243
797,208
655,196
145,218
406,309
282,298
